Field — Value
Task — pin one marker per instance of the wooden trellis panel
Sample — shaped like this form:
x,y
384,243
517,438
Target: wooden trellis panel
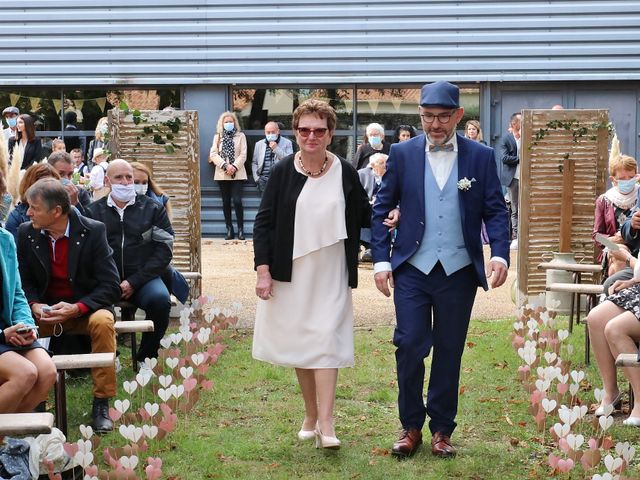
x,y
178,174
559,180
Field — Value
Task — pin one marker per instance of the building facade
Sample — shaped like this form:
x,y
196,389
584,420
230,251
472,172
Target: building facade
x,y
368,59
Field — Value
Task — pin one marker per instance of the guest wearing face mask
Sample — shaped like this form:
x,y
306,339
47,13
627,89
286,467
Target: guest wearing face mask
x,y
267,152
144,184
228,153
613,208
32,151
10,115
140,234
373,143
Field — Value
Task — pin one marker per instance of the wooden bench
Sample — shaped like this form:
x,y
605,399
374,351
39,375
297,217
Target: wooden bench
x,y
69,362
134,326
25,423
626,360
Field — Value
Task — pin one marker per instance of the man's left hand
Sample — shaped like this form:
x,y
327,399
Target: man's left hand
x,y
61,312
72,190
127,290
496,273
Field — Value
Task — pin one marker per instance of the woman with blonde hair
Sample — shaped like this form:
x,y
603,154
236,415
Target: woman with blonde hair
x,y
473,131
99,141
229,153
146,185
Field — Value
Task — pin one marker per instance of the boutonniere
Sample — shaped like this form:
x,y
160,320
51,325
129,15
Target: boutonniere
x,y
464,184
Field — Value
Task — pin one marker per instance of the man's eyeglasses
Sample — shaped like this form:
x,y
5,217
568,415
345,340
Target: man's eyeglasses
x,y
318,132
442,117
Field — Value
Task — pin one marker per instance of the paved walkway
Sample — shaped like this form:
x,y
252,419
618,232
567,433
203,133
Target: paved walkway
x,y
227,269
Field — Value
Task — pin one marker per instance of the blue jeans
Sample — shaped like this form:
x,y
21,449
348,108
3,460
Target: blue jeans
x,y
154,299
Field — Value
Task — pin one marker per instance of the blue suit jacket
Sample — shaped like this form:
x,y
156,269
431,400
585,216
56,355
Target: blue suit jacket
x,y
403,184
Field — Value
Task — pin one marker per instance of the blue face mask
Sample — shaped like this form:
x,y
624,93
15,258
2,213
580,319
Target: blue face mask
x,y
228,126
375,141
12,122
271,137
626,186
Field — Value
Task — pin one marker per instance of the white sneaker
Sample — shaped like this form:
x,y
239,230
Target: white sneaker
x,y
514,244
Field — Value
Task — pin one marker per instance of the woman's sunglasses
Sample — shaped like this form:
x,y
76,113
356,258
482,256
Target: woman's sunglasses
x,y
318,132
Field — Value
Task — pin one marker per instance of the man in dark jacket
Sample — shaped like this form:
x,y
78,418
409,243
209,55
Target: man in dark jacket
x,y
508,153
139,231
63,164
70,280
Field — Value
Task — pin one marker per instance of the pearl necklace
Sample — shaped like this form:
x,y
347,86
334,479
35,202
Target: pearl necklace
x,y
314,174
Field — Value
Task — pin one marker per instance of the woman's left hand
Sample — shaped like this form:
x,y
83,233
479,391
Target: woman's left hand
x,y
231,170
392,220
620,285
264,284
12,337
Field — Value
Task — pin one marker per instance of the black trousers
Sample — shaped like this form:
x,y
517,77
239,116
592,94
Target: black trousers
x,y
232,190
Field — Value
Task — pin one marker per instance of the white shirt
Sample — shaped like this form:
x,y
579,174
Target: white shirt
x,y
97,175
517,174
441,163
120,211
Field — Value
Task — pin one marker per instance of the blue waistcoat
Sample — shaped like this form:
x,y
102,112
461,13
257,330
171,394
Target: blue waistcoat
x,y
443,240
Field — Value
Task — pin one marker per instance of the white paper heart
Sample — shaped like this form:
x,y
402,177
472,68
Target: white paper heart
x,y
86,431
548,405
564,414
165,380
522,352
150,363
611,463
608,410
186,372
550,357
598,394
150,431
144,376
179,391
129,463
575,441
573,389
172,362
579,411
187,336
122,405
164,394
166,342
621,447
563,335
563,378
83,459
530,357
604,476
532,324
84,446
176,338
629,454
151,408
570,349
605,423
577,376
561,430
129,387
197,358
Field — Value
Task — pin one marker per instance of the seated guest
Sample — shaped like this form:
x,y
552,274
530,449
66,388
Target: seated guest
x,y
70,280
267,152
140,234
26,370
613,208
144,184
614,328
18,215
373,143
63,164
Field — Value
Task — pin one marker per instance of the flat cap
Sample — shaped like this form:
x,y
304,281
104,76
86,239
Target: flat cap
x,y
9,110
440,94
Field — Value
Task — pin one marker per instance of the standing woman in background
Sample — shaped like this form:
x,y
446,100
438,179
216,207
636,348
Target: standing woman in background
x,y
102,128
473,131
228,153
403,133
26,139
306,242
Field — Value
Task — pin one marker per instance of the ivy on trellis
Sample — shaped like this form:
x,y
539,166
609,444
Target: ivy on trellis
x,y
161,133
577,129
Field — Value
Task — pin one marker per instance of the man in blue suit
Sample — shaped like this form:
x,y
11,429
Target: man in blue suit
x,y
445,185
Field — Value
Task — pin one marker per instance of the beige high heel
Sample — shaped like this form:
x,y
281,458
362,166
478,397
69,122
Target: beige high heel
x,y
325,441
304,435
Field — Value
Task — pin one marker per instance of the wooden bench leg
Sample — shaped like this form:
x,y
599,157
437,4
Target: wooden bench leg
x,y
129,314
61,402
573,304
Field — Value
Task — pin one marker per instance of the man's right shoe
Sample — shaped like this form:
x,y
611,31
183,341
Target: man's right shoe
x,y
101,422
230,234
407,444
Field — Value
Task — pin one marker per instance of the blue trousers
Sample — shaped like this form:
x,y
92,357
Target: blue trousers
x,y
432,311
153,298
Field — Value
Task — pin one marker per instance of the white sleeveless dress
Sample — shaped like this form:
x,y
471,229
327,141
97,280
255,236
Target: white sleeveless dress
x,y
308,323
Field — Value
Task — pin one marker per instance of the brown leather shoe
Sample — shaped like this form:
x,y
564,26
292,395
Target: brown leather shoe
x,y
407,444
441,445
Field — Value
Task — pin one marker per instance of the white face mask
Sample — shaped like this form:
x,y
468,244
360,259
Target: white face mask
x,y
123,193
141,188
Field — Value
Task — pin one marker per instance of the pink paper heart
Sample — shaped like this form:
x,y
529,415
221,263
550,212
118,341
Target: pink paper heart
x,y
553,461
143,414
91,470
152,472
189,384
114,414
593,444
182,362
536,397
517,342
207,384
564,445
565,465
202,368
155,462
563,388
71,449
165,409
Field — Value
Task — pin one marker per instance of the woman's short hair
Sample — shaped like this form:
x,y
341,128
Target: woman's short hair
x,y
29,127
622,162
476,124
317,108
378,157
51,192
220,127
374,127
34,173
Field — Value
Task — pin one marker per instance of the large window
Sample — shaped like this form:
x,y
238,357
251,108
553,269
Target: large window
x,y
355,107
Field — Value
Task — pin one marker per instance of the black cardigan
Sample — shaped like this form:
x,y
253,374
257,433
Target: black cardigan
x,y
33,152
273,228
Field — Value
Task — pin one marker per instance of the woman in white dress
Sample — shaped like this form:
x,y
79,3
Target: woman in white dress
x,y
306,242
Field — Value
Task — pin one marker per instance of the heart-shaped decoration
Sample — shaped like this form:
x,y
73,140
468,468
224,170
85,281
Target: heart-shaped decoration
x,y
608,410
575,441
83,459
629,454
144,376
621,447
570,349
150,363
548,405
564,414
605,423
522,352
189,384
563,378
151,408
565,465
166,342
129,387
543,385
130,463
550,357
186,372
530,357
178,391
172,362
150,431
122,405
197,358
164,394
187,336
86,431
604,476
84,446
203,335
598,394
563,335
165,380
573,389
176,338
580,411
612,464
561,430
577,376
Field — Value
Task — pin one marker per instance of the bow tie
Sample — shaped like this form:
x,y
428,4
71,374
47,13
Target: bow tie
x,y
447,147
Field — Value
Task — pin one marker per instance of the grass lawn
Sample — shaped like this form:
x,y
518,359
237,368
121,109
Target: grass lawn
x,y
246,426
